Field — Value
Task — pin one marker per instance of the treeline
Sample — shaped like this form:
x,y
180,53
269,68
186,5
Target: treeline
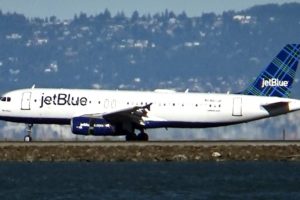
x,y
144,51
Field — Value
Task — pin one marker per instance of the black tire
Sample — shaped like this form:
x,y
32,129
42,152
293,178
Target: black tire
x,y
143,137
131,137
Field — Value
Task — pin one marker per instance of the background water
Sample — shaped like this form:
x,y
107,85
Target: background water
x,y
173,180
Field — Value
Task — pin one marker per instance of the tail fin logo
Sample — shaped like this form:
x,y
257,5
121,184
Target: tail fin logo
x,y
273,82
278,77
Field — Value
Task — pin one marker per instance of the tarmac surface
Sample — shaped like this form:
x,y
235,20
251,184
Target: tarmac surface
x,y
153,151
156,143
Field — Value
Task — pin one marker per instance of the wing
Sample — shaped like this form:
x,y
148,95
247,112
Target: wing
x,y
128,115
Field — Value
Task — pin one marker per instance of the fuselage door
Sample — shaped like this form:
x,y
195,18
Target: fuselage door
x,y
237,106
25,102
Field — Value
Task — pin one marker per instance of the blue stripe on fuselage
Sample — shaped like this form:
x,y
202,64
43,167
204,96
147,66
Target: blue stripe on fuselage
x,y
29,120
178,124
148,124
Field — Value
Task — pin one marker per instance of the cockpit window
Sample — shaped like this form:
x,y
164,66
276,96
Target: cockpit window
x,y
6,99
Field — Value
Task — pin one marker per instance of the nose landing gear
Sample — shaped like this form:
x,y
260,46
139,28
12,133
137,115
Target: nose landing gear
x,y
28,137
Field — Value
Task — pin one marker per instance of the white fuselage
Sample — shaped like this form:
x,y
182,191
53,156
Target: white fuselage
x,y
168,109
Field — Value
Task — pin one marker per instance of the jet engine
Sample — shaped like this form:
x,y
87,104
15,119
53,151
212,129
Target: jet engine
x,y
91,126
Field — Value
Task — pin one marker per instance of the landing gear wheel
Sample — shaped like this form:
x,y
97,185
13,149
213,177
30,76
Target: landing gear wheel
x,y
131,137
27,138
143,136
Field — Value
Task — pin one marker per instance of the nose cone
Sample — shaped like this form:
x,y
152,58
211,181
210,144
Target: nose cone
x,y
6,105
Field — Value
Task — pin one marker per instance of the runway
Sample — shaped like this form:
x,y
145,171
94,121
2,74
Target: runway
x,y
156,143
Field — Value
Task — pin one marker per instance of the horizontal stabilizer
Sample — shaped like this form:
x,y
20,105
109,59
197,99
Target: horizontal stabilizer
x,y
277,108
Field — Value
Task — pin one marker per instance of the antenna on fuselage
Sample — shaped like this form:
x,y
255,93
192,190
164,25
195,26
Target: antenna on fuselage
x,y
33,86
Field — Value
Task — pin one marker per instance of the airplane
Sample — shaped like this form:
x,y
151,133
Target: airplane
x,y
114,112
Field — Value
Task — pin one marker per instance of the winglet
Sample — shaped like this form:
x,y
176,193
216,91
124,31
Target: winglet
x,y
147,106
278,77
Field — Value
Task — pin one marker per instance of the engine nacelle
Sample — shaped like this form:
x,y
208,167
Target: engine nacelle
x,y
91,126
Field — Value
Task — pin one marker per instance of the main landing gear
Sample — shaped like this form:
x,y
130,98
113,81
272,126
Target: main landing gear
x,y
28,137
142,136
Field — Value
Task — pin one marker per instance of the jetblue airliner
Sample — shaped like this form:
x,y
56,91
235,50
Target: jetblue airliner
x,y
108,112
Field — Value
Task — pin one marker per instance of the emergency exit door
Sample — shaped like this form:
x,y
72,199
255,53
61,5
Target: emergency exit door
x,y
25,102
237,107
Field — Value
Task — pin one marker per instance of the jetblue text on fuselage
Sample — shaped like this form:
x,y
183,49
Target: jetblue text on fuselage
x,y
63,99
274,82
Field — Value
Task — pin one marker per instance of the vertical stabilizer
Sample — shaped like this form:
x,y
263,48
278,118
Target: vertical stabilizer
x,y
278,77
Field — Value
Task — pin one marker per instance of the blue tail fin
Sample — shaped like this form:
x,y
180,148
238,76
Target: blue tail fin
x,y
278,77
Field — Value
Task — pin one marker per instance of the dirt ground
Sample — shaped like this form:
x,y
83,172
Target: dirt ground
x,y
153,153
